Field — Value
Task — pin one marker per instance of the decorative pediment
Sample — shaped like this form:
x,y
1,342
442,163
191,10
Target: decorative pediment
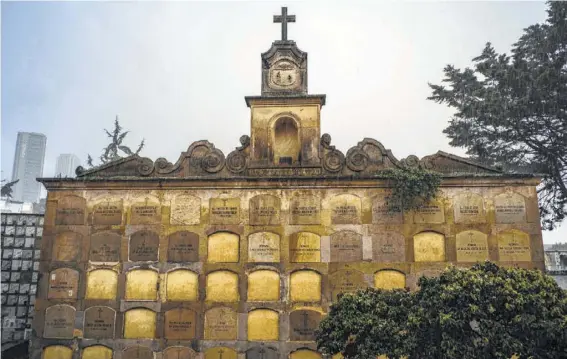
x,y
203,160
284,70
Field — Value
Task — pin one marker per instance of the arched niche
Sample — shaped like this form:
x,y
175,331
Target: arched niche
x,y
180,324
182,285
264,247
222,286
97,352
139,323
389,279
305,286
305,247
263,325
179,352
221,353
286,144
223,247
141,284
471,246
71,210
67,246
137,352
345,209
57,352
262,352
263,286
429,247
221,323
63,284
101,284
305,354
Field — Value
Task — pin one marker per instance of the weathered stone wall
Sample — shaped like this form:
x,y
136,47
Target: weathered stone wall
x,y
248,269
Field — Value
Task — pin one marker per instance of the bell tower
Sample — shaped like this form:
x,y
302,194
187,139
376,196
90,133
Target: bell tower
x,y
285,119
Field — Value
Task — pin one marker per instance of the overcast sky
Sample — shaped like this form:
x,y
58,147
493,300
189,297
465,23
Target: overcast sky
x,y
177,72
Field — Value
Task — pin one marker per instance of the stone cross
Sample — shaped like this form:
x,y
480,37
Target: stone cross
x,y
284,18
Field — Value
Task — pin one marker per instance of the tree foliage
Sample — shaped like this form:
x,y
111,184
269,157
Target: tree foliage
x,y
7,188
511,110
483,312
412,187
112,151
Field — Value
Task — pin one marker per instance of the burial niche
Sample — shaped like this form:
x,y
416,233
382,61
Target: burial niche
x,y
99,322
178,352
71,210
183,246
180,324
222,286
305,286
182,285
221,353
305,354
137,352
389,279
345,209
305,247
144,246
141,284
472,246
221,323
63,284
514,246
59,322
223,247
429,247
264,247
67,246
263,324
139,323
286,145
57,352
101,284
263,286
262,353
97,352
105,247
265,210
303,324
510,207
346,246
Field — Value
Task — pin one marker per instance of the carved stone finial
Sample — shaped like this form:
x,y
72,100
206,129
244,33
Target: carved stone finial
x,y
79,170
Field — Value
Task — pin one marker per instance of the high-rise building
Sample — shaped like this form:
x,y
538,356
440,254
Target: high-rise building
x,y
66,165
28,165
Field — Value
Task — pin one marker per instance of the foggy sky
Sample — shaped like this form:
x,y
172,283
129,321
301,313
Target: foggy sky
x,y
177,72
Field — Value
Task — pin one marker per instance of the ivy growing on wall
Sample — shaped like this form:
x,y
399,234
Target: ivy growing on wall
x,y
412,187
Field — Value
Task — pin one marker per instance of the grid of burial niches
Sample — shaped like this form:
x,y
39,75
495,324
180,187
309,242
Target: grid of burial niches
x,y
155,281
20,233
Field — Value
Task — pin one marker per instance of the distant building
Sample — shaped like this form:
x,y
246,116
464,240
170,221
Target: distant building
x,y
21,235
66,165
28,165
556,262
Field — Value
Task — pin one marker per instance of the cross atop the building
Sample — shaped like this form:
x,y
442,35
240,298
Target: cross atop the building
x,y
284,18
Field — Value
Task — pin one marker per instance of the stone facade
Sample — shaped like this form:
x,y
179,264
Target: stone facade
x,y
241,256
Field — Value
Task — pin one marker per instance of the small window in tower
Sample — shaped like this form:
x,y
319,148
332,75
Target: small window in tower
x,y
286,141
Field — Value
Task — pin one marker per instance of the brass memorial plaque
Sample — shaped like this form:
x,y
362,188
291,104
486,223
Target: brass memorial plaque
x,y
57,352
59,322
472,246
67,247
99,323
222,286
224,211
108,212
141,284
146,212
139,323
385,213
102,284
183,246
265,210
345,209
389,279
144,246
71,210
97,352
514,246
388,247
510,207
180,324
346,246
182,285
346,281
429,247
303,324
263,286
304,247
105,247
264,247
185,210
223,247
263,325
221,324
305,286
63,284
305,210
469,208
